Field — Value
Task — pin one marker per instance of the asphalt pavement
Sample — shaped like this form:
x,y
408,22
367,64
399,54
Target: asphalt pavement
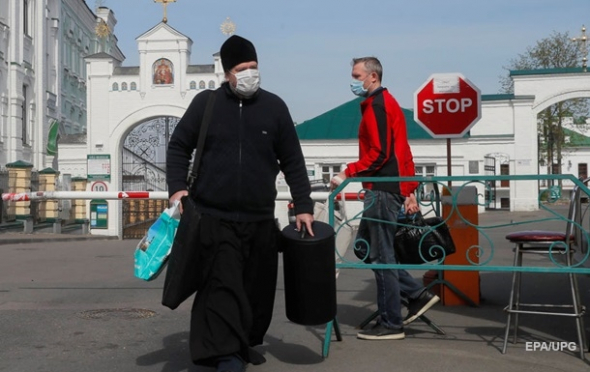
x,y
72,304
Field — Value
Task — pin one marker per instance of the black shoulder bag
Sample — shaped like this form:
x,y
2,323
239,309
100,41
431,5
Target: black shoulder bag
x,y
183,275
417,241
422,240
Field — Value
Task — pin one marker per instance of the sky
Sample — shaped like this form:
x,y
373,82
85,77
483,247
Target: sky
x,y
305,47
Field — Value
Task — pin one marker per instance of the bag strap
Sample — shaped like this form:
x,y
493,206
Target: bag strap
x,y
201,142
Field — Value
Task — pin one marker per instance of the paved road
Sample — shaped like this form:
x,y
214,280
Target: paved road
x,y
75,306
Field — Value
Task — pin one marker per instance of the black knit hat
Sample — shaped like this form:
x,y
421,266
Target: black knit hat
x,y
236,50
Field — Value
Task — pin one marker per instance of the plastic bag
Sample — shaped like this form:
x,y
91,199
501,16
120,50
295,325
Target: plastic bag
x,y
151,254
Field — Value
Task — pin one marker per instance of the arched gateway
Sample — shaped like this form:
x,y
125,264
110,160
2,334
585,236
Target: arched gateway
x,y
131,113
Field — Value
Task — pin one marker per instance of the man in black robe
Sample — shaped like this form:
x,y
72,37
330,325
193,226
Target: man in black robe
x,y
250,139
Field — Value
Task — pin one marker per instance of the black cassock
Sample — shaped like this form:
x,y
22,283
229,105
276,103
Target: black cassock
x,y
233,309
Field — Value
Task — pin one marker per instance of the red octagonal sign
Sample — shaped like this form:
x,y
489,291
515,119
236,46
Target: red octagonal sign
x,y
447,105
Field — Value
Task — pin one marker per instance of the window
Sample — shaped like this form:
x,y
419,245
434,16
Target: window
x,y
582,170
24,116
115,86
211,84
133,86
123,86
193,85
3,110
425,190
329,171
26,23
202,85
504,171
473,167
425,170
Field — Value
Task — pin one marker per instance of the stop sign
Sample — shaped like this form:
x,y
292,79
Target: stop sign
x,y
447,105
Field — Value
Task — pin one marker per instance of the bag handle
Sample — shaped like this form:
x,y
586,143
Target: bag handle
x,y
201,142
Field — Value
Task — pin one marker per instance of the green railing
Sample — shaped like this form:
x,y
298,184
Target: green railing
x,y
552,214
485,250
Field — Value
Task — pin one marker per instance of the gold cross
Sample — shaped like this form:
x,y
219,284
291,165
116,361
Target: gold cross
x,y
165,4
228,27
583,40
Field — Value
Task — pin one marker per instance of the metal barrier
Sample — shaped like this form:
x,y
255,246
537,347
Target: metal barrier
x,y
484,251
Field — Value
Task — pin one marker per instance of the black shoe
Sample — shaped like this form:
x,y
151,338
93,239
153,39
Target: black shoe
x,y
255,357
379,332
230,363
420,305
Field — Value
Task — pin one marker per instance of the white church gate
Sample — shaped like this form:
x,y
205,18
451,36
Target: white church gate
x,y
144,169
132,110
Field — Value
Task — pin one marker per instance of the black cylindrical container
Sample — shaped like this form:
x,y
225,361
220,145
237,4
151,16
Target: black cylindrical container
x,y
309,265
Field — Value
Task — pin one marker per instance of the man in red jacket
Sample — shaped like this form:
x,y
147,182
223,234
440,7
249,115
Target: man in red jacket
x,y
384,151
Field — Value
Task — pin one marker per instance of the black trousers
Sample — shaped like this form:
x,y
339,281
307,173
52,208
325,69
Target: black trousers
x,y
234,308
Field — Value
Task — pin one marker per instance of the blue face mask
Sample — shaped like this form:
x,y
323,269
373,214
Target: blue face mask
x,y
356,86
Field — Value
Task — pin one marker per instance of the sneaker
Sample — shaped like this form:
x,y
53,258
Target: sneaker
x,y
420,305
379,332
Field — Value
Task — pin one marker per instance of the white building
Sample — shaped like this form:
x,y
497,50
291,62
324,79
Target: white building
x,y
42,73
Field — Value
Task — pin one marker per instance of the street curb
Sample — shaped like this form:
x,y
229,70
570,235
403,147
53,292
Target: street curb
x,y
53,240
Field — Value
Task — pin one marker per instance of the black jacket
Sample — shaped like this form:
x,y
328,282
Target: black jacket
x,y
248,142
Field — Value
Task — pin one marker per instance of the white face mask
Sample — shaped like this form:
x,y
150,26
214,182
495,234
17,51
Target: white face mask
x,y
247,82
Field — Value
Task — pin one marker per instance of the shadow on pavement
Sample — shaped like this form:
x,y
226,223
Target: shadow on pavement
x,y
174,355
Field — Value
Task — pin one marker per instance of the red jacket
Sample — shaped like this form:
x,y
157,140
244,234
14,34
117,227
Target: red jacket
x,y
384,150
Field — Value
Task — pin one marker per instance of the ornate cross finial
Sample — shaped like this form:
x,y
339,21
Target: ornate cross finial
x,y
165,4
583,40
102,30
98,4
228,27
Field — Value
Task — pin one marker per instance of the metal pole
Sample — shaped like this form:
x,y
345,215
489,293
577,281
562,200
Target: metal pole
x,y
449,171
120,195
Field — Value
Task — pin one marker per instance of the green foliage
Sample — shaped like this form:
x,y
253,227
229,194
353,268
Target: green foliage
x,y
557,51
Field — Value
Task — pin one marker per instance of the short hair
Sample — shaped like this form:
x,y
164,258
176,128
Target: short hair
x,y
372,64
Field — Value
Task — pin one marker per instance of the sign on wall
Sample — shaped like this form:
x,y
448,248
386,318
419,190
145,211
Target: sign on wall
x,y
99,167
100,186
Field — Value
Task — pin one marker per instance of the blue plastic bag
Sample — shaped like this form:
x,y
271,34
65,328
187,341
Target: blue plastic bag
x,y
151,254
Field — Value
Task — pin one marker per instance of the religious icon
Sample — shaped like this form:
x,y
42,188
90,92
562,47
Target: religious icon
x,y
163,72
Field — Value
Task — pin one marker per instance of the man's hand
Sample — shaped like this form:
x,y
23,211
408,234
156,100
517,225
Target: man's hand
x,y
177,195
304,219
411,204
337,180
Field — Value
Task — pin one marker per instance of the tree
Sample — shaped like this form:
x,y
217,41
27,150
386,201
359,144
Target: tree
x,y
556,51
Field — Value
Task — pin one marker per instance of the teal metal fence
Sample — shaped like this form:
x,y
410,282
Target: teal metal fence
x,y
548,209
